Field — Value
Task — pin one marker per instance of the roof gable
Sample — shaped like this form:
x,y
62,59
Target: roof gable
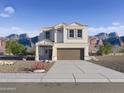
x,y
45,42
76,24
60,25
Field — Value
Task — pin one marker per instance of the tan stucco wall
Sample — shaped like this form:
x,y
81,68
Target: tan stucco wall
x,y
70,45
84,38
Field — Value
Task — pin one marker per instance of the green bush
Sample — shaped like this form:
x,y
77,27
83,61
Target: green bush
x,y
105,49
121,50
13,47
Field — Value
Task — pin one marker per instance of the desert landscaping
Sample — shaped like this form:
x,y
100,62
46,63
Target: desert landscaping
x,y
113,62
24,66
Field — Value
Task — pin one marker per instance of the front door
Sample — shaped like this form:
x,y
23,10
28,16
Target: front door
x,y
50,54
47,53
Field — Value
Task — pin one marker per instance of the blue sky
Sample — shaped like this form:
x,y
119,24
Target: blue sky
x,y
19,16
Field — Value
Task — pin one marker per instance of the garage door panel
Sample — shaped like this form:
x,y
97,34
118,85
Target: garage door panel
x,y
69,54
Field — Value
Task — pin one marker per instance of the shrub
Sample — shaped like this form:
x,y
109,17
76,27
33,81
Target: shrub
x,y
40,65
105,49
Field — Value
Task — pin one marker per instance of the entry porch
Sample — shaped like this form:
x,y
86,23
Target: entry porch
x,y
44,50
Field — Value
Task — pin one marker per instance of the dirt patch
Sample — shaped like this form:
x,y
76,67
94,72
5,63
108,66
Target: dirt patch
x,y
22,67
113,62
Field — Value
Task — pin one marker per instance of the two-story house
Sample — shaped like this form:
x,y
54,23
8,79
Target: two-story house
x,y
63,42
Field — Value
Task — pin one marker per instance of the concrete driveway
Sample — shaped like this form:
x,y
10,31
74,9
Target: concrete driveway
x,y
82,71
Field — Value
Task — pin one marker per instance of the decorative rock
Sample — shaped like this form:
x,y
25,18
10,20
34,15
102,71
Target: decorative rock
x,y
1,63
50,61
46,61
6,62
39,71
94,58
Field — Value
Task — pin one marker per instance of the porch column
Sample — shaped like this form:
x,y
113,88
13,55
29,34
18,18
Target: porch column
x,y
54,54
86,53
55,36
37,53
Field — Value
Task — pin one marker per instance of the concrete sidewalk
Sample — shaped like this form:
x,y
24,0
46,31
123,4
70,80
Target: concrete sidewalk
x,y
67,71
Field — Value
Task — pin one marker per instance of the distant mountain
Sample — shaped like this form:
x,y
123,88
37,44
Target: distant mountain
x,y
113,34
13,37
115,41
112,38
21,36
107,38
24,39
102,36
35,39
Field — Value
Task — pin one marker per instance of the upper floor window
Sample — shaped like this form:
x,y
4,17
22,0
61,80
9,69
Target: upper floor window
x,y
71,33
60,29
47,35
79,33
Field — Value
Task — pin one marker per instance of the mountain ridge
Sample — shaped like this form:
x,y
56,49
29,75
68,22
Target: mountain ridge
x,y
112,38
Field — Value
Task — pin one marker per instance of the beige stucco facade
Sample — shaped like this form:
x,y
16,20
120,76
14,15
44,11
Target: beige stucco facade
x,y
59,39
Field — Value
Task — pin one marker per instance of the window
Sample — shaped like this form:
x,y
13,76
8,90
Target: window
x,y
46,51
60,29
47,35
79,33
71,33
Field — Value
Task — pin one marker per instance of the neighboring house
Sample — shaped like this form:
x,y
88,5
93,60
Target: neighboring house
x,y
2,46
63,42
94,44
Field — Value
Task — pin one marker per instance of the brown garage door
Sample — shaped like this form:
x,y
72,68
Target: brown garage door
x,y
70,54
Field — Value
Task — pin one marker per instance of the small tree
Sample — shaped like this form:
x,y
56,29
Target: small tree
x,y
8,47
105,49
13,47
101,50
108,49
122,50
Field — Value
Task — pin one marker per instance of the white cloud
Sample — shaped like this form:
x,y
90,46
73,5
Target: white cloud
x,y
115,27
4,31
7,12
116,23
14,28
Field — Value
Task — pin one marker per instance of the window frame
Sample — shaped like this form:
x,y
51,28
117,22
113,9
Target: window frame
x,y
77,33
47,36
69,34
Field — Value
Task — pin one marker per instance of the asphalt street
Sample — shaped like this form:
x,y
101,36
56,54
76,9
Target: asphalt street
x,y
61,88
